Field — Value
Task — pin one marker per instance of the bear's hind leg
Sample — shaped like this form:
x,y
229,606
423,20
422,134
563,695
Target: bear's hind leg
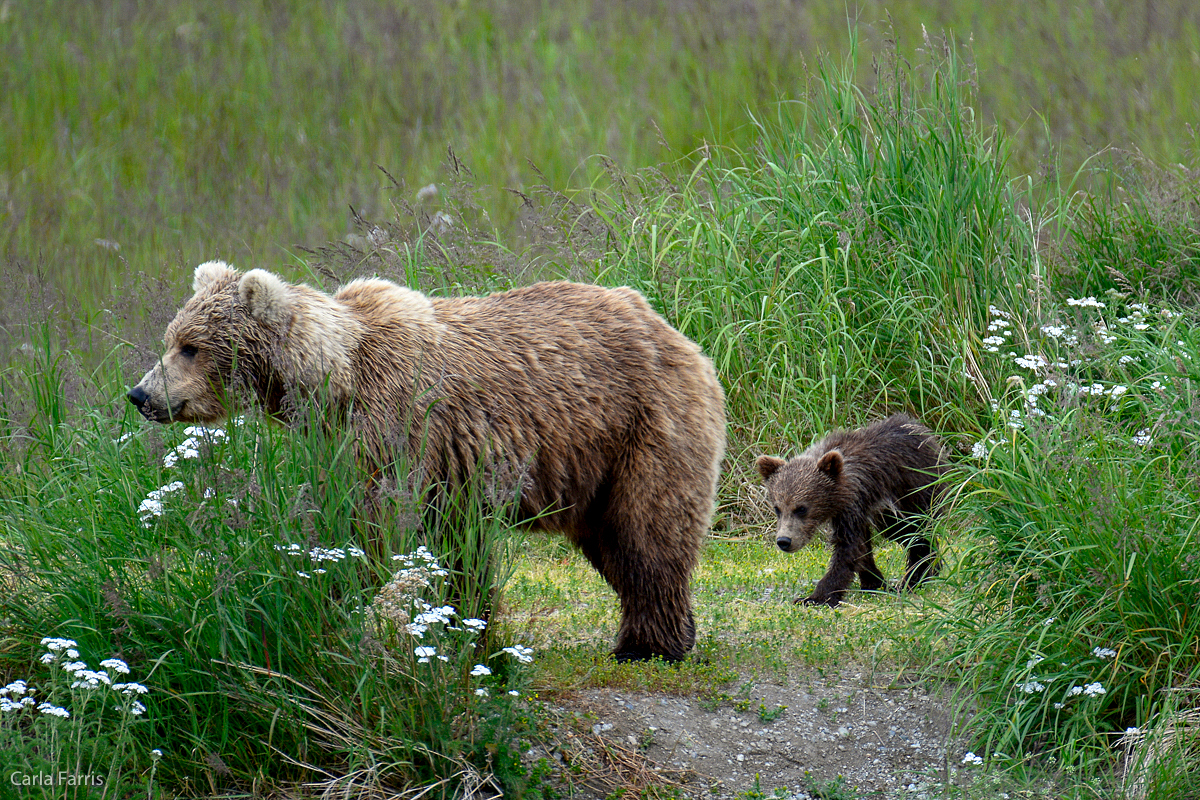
x,y
908,530
870,577
647,559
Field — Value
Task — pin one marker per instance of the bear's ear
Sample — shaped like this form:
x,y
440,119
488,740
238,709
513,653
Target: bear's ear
x,y
211,271
831,464
768,465
265,296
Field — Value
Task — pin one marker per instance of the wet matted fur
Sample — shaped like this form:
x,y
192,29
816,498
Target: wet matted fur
x,y
883,477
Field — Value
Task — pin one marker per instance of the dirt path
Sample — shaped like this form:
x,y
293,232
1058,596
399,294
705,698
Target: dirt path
x,y
883,740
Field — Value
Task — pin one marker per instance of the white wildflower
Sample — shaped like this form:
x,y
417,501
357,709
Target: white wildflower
x,y
1117,391
1033,662
995,312
481,692
53,710
424,654
521,653
980,449
1086,302
1126,359
514,693
1031,686
1104,652
58,644
480,670
971,758
1031,361
1053,331
475,624
116,665
1142,439
130,689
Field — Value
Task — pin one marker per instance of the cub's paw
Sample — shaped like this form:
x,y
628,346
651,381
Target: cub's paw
x,y
815,600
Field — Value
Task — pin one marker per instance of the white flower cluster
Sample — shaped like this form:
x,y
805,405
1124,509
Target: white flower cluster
x,y
1086,302
972,759
520,653
62,654
1090,690
320,554
190,447
1104,652
422,559
152,506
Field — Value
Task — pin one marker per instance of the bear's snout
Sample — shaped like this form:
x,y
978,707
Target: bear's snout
x,y
785,543
138,396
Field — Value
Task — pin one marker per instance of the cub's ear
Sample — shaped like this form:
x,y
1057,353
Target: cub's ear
x,y
265,296
768,465
209,272
831,464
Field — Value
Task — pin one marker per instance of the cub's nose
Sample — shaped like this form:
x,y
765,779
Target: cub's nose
x,y
785,544
138,396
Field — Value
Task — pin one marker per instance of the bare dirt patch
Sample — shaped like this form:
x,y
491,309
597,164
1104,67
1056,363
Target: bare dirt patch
x,y
877,738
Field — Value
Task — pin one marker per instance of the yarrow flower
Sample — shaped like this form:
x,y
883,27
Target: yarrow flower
x,y
1085,302
971,758
424,654
480,670
152,506
1031,687
520,652
53,710
116,665
1090,690
1104,652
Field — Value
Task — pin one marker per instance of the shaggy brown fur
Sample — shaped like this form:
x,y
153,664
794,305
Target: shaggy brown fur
x,y
614,420
883,476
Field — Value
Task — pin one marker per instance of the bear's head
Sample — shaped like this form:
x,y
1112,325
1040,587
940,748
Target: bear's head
x,y
251,329
806,492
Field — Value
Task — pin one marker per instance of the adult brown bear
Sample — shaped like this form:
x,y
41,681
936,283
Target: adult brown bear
x,y
615,419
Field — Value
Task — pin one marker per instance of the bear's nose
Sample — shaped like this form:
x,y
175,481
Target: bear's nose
x,y
785,544
137,395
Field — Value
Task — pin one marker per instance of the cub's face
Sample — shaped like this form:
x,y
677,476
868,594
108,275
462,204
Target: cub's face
x,y
804,493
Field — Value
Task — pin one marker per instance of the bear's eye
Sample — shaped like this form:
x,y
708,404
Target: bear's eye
x,y
777,511
801,511
188,351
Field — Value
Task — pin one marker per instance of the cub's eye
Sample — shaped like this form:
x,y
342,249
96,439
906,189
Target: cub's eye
x,y
801,511
188,351
777,511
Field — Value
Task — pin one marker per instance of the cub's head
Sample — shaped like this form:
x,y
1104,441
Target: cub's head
x,y
806,492
233,321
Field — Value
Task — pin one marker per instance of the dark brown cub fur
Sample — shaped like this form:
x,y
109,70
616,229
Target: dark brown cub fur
x,y
884,476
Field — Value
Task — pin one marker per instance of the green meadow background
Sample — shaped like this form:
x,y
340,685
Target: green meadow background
x,y
187,131
982,214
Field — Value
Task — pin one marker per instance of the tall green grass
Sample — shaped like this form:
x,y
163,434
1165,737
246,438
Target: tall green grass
x,y
238,572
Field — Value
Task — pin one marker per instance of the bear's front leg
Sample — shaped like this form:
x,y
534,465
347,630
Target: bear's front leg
x,y
850,544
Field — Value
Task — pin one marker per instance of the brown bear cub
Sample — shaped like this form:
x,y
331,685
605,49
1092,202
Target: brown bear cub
x,y
884,476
